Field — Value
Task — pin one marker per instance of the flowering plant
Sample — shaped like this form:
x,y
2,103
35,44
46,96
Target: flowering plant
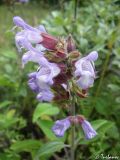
x,y
62,76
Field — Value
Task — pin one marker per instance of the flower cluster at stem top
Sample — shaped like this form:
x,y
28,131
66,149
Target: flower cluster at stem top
x,y
58,63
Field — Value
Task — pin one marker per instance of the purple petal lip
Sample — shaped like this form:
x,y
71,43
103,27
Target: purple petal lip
x,y
92,56
85,81
45,95
60,127
18,21
85,70
42,28
88,130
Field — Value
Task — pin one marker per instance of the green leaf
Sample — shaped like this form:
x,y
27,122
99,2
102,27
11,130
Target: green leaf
x,y
102,125
102,106
46,126
113,132
5,104
10,54
50,148
114,87
117,100
44,109
26,145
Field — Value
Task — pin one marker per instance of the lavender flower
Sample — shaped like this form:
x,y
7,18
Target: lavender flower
x,y
47,73
45,95
36,57
43,91
25,39
47,70
30,35
41,81
85,71
88,130
32,82
24,1
19,22
60,127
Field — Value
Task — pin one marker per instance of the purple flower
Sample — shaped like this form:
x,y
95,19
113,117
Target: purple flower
x,y
25,39
88,130
19,22
34,36
24,1
45,95
32,82
36,57
43,92
47,70
28,36
61,126
85,70
41,80
46,74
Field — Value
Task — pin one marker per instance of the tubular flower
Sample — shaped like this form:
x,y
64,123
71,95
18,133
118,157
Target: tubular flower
x,y
88,130
41,81
37,36
61,126
34,57
43,91
85,71
46,74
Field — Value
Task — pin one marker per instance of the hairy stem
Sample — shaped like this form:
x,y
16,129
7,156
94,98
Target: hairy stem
x,y
72,104
73,135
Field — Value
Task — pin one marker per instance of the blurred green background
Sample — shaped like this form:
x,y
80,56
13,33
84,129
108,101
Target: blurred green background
x,y
25,132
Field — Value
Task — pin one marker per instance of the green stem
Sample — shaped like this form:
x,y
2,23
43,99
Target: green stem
x,y
75,9
73,135
102,75
72,104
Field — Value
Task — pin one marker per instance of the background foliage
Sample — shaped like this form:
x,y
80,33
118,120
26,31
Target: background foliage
x,y
25,124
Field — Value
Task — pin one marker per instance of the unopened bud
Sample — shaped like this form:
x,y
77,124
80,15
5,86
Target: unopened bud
x,y
70,44
74,54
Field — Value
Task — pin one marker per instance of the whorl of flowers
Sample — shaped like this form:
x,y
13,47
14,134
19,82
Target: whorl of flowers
x,y
59,62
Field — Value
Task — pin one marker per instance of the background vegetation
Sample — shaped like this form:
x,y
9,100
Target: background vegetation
x,y
25,124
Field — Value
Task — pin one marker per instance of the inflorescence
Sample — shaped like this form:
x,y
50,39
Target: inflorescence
x,y
59,63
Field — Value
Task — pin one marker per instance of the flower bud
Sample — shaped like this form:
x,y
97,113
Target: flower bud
x,y
70,44
74,54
